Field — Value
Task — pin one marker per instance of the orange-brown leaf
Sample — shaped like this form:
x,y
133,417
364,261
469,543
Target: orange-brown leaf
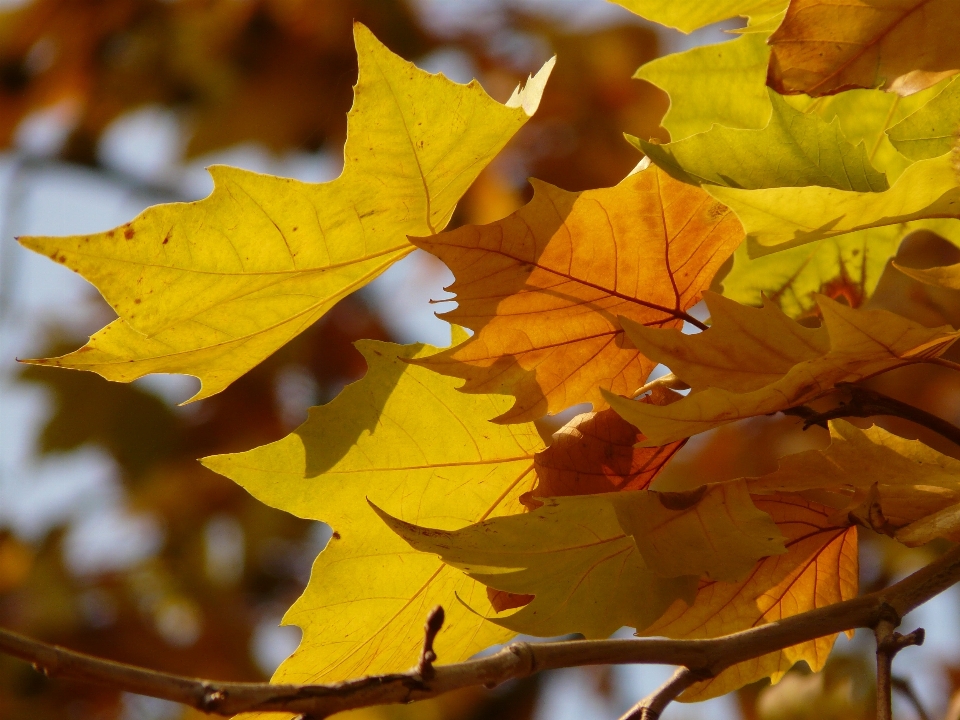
x,y
542,288
819,568
597,453
823,47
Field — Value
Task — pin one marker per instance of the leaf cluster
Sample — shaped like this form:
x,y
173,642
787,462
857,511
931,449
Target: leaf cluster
x,y
806,161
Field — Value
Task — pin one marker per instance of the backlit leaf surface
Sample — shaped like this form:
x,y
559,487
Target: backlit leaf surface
x,y
784,366
771,216
585,572
690,15
794,149
818,569
542,288
931,130
213,287
364,607
823,47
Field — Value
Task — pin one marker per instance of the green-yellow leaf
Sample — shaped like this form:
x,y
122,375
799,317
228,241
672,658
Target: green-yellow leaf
x,y
715,531
848,267
926,189
758,362
931,130
793,150
213,287
585,572
722,84
690,15
407,439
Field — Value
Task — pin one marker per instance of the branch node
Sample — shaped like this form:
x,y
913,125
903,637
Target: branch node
x,y
427,655
213,698
42,669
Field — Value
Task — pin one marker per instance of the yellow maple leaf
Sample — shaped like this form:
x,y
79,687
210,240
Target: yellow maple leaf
x,y
903,46
585,572
363,609
543,287
714,531
759,362
819,568
213,287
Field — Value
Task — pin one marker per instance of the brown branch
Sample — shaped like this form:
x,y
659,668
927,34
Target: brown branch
x,y
705,658
427,655
889,643
653,705
864,403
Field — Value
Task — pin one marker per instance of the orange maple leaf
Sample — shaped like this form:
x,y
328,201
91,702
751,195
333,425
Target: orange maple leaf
x,y
819,568
597,453
542,288
904,46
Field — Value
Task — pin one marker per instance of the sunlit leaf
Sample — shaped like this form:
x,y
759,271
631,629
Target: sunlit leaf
x,y
793,150
819,568
542,288
926,189
585,572
847,267
757,362
211,288
902,46
403,437
931,130
690,15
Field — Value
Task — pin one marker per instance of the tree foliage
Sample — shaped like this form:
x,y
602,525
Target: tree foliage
x,y
430,469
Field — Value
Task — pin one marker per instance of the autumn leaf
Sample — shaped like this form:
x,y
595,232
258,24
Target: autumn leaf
x,y
944,523
908,481
406,438
211,288
846,268
793,150
902,46
585,573
724,85
690,15
714,84
931,130
714,531
772,216
818,569
947,276
755,361
596,453
542,288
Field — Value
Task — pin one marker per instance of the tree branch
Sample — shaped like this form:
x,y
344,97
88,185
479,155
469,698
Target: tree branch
x,y
653,705
889,643
864,403
705,658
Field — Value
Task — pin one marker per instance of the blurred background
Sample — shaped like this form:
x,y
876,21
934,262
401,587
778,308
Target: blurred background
x,y
113,540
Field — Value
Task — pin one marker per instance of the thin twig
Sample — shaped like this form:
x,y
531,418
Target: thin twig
x,y
427,655
864,403
903,686
889,643
706,658
651,707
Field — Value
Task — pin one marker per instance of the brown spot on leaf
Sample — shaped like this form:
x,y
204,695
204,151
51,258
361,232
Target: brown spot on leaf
x,y
128,233
681,500
335,536
136,301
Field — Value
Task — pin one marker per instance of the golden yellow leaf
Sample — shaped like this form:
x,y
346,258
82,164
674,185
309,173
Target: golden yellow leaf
x,y
406,438
773,216
903,46
818,569
542,288
212,288
714,531
887,481
778,363
584,571
944,523
690,15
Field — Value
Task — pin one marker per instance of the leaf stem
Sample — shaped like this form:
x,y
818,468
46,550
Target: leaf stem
x,y
864,403
704,658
